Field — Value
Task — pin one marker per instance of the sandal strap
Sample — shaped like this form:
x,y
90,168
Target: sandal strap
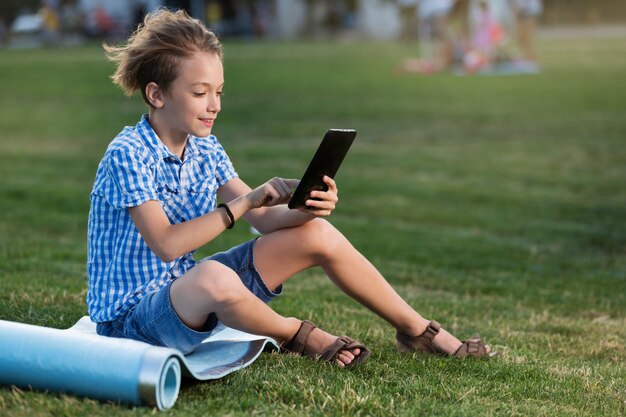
x,y
431,331
345,343
420,343
473,347
298,342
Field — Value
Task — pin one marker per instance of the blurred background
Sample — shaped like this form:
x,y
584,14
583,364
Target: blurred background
x,y
443,27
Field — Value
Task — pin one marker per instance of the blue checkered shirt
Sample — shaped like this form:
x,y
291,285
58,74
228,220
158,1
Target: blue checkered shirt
x,y
138,167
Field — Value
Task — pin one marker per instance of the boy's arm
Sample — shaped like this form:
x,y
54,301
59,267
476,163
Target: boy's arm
x,y
269,219
170,241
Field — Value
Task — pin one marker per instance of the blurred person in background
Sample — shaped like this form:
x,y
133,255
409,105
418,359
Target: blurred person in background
x,y
261,12
527,12
496,45
213,16
139,12
408,19
435,39
487,39
72,23
51,33
104,22
327,18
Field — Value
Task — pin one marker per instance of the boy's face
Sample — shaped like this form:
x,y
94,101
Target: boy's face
x,y
193,100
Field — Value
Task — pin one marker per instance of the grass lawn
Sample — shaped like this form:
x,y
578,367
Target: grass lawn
x,y
494,205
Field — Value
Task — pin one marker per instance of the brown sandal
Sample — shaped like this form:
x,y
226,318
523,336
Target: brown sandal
x,y
298,345
473,347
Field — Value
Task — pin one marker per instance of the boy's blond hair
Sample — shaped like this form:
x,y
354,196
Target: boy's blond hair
x,y
155,50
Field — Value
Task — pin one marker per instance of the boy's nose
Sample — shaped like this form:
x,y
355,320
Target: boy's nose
x,y
214,105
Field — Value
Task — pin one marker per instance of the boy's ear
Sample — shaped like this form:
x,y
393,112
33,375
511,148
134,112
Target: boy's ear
x,y
154,95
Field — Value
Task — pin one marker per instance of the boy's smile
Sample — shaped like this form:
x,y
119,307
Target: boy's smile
x,y
191,103
207,122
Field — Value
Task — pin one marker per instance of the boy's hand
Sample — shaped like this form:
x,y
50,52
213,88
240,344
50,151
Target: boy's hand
x,y
274,192
322,203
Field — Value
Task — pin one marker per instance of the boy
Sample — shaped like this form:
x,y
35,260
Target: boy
x,y
154,203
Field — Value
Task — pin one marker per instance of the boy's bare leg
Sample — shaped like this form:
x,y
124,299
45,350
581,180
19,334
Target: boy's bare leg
x,y
211,287
282,254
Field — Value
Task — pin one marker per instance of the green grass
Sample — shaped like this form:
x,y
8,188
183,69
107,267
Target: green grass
x,y
494,205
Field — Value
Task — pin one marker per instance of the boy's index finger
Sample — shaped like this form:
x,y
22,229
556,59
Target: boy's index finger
x,y
292,183
329,181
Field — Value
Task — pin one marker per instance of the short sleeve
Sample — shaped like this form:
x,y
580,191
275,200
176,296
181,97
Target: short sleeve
x,y
224,169
130,179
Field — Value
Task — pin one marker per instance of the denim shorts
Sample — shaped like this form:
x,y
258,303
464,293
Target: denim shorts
x,y
153,319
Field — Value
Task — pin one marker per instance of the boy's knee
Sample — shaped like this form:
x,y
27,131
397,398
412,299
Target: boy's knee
x,y
219,283
321,237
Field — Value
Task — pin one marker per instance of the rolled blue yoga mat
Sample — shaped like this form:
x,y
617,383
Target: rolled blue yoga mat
x,y
78,361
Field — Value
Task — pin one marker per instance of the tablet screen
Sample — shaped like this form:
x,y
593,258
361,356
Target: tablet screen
x,y
326,161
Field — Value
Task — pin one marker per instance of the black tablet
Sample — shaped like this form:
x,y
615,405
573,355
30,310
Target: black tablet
x,y
326,161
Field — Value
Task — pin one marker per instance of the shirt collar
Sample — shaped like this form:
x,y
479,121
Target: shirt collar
x,y
157,147
192,146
